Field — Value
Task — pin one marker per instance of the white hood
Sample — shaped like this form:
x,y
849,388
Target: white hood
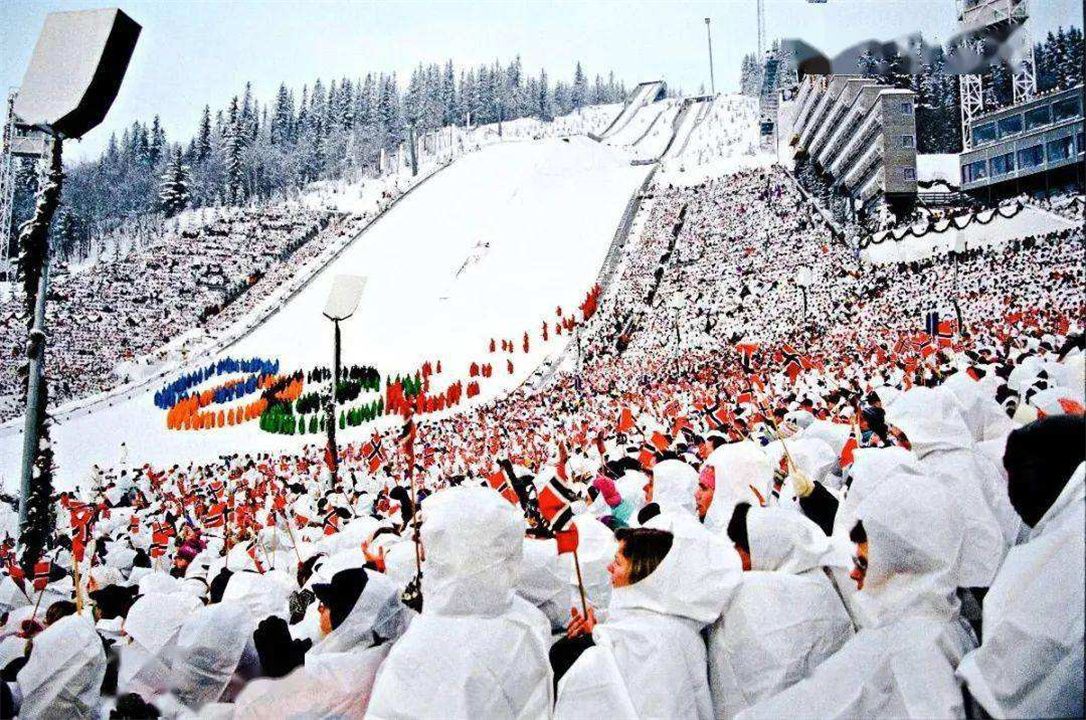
x,y
378,610
787,542
739,467
1030,664
209,646
871,468
931,419
694,581
982,414
673,486
63,677
914,537
473,541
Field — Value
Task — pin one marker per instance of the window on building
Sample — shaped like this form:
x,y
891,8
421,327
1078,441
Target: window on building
x,y
906,108
1066,108
1081,143
975,171
1037,117
1010,126
906,141
1061,149
908,173
984,133
1031,157
1002,164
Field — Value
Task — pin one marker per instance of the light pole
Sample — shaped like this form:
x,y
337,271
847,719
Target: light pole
x,y
73,77
676,305
342,302
803,281
960,246
709,34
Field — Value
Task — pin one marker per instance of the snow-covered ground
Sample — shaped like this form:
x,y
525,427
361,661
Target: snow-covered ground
x,y
486,248
943,167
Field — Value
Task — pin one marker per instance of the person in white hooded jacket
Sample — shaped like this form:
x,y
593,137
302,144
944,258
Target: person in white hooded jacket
x,y
1030,663
648,659
360,613
477,649
62,679
908,543
784,619
932,422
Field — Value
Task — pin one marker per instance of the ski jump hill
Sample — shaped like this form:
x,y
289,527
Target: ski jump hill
x,y
644,94
653,127
487,247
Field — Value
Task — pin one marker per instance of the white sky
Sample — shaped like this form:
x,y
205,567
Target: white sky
x,y
194,52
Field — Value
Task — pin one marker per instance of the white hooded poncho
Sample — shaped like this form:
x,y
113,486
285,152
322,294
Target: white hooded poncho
x,y
649,659
743,473
209,647
903,665
1030,663
785,618
63,677
337,678
939,437
477,649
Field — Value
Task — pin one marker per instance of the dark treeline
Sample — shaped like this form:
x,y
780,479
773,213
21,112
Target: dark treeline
x,y
255,148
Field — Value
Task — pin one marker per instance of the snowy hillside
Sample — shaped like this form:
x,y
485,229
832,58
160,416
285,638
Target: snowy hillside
x,y
487,248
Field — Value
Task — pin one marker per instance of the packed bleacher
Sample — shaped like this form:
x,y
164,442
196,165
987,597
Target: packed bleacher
x,y
862,497
202,275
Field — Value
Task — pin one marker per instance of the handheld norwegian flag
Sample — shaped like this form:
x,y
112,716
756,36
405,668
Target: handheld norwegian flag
x,y
216,516
81,520
16,572
331,522
556,506
502,481
373,453
160,540
42,568
563,459
718,417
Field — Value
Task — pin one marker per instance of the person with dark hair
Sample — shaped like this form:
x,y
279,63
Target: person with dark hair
x,y
908,543
1030,662
667,587
737,533
786,616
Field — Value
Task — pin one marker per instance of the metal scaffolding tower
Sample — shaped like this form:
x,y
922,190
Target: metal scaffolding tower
x,y
761,31
995,21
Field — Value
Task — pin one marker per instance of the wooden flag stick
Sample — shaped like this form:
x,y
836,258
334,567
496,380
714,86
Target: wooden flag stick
x,y
293,542
37,603
580,581
78,590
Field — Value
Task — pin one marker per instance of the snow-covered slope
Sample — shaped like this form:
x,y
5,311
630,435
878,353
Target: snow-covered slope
x,y
487,248
724,140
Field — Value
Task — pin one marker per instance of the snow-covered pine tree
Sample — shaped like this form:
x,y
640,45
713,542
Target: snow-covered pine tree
x,y
173,194
579,95
233,190
545,109
282,120
563,102
156,142
203,136
449,101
